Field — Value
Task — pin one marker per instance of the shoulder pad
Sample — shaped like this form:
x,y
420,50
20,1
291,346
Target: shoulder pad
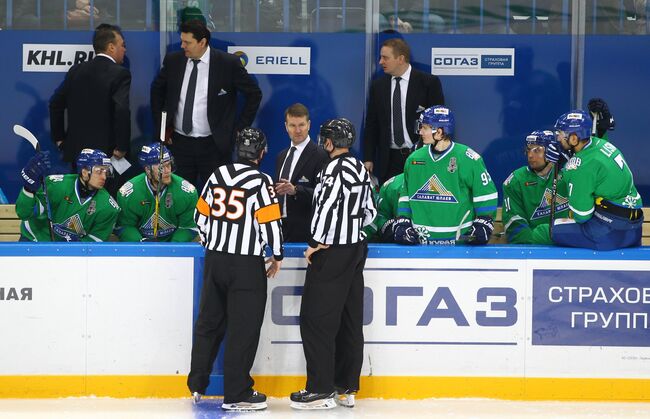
x,y
472,154
113,203
508,179
126,189
187,186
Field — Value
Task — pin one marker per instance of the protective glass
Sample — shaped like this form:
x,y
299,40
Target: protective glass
x,y
103,170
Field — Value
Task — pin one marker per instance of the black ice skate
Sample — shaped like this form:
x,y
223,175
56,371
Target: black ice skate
x,y
256,401
305,400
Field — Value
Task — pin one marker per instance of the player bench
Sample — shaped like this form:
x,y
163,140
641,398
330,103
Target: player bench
x,y
9,224
498,238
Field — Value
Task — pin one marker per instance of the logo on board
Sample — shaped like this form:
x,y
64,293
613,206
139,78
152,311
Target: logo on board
x,y
274,60
473,61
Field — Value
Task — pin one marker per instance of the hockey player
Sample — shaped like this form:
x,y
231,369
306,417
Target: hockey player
x,y
447,190
237,215
80,208
137,197
527,194
331,311
603,200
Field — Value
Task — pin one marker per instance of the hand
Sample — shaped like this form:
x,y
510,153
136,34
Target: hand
x,y
272,270
599,109
311,250
284,187
404,233
481,230
552,153
119,154
59,145
32,174
369,166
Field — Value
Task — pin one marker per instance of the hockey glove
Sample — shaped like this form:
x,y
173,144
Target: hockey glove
x,y
387,232
598,108
481,230
33,172
404,233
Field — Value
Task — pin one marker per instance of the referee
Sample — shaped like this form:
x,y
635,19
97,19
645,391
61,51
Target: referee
x,y
331,313
237,215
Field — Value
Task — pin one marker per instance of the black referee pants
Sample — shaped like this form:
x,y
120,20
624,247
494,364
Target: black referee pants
x,y
232,304
331,318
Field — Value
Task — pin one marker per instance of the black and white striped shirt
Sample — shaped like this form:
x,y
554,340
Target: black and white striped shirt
x,y
238,212
343,202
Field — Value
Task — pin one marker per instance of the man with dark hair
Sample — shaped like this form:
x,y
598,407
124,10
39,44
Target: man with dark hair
x,y
198,88
394,103
95,95
296,169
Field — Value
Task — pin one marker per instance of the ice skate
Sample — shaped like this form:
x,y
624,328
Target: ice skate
x,y
256,401
304,400
345,398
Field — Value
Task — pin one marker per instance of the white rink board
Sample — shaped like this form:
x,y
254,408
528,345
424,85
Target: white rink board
x,y
442,347
97,316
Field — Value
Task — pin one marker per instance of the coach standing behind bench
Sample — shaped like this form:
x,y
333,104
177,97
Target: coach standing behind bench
x,y
198,88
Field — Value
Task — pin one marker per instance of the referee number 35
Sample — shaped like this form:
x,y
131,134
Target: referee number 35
x,y
228,203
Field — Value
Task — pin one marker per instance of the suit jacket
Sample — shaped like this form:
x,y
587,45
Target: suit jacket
x,y
296,226
227,77
424,91
95,94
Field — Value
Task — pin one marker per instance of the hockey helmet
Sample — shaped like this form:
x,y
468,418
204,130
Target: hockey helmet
x,y
340,131
542,138
150,155
90,158
437,117
575,122
250,142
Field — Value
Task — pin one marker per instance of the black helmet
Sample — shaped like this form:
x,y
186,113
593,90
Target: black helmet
x,y
250,142
339,130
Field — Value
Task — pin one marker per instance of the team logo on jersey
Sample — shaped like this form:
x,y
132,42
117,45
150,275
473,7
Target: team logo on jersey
x,y
434,191
91,208
189,188
126,189
472,154
71,229
67,199
544,207
530,183
418,162
165,228
169,201
452,165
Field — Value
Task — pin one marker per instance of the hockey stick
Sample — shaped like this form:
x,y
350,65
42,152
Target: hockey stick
x,y
21,131
465,238
553,198
156,214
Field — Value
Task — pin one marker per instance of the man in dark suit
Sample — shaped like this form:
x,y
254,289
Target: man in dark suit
x,y
296,169
95,94
198,88
395,100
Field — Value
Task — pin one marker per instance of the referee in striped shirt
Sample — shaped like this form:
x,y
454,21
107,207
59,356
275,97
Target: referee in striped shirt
x,y
237,216
331,313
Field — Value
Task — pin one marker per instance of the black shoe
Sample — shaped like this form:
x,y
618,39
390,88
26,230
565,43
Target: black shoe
x,y
256,401
305,400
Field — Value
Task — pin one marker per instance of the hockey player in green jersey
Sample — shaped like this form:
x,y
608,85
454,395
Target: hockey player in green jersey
x,y
447,191
80,208
527,195
603,200
137,197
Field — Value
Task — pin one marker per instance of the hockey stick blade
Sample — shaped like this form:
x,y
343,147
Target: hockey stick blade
x,y
21,131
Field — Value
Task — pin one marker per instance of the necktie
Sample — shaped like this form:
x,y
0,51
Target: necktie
x,y
398,130
189,99
284,174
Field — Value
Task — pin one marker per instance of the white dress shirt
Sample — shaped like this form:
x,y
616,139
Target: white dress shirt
x,y
404,86
200,124
296,156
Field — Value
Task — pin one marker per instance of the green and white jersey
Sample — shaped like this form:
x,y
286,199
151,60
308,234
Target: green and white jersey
x,y
527,200
386,204
442,194
176,210
73,218
599,171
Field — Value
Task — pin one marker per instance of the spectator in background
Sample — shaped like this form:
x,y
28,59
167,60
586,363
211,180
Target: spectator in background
x,y
394,102
296,170
95,96
198,88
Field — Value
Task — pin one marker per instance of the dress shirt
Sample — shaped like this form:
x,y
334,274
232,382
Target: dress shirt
x,y
296,156
404,86
200,125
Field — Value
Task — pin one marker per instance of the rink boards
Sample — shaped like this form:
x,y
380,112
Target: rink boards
x,y
503,322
